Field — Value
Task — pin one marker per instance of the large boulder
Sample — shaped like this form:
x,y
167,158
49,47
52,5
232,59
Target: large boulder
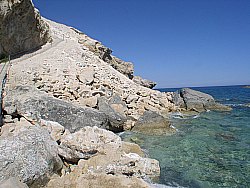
x,y
151,123
116,119
87,142
144,82
27,152
21,27
193,100
35,105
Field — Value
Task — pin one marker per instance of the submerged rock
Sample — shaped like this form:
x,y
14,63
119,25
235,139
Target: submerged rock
x,y
190,99
27,152
21,27
152,123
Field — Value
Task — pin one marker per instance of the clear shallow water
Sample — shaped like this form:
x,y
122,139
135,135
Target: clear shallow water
x,y
209,150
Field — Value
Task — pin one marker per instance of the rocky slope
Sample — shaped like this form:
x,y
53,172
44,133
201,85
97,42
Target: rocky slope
x,y
21,27
72,73
62,101
59,103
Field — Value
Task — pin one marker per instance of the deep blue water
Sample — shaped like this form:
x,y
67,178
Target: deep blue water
x,y
209,150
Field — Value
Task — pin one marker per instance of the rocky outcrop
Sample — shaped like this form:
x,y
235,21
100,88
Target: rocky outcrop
x,y
21,27
87,143
102,151
104,53
27,152
197,101
100,154
144,82
35,105
151,123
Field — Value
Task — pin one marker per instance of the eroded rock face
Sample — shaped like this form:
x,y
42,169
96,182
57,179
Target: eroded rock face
x,y
190,99
151,123
21,27
101,156
144,82
87,142
104,53
27,152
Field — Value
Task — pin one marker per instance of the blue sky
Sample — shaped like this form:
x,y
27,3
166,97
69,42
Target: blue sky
x,y
176,43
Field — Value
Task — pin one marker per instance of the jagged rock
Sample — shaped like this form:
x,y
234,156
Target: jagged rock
x,y
152,123
35,105
126,68
106,153
13,183
55,129
119,163
97,180
116,120
87,142
27,152
144,82
190,99
21,27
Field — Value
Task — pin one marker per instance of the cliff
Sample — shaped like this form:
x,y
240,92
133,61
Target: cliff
x,y
21,27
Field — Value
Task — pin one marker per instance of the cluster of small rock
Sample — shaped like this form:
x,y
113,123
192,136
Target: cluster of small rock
x,y
47,154
75,74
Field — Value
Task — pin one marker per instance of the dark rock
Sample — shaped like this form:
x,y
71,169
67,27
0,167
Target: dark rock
x,y
153,124
126,68
27,152
116,119
144,82
35,105
197,101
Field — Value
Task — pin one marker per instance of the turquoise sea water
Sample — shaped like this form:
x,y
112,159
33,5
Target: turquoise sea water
x,y
209,150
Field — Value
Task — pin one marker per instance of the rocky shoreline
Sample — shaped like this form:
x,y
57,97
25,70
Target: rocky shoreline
x,y
62,107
